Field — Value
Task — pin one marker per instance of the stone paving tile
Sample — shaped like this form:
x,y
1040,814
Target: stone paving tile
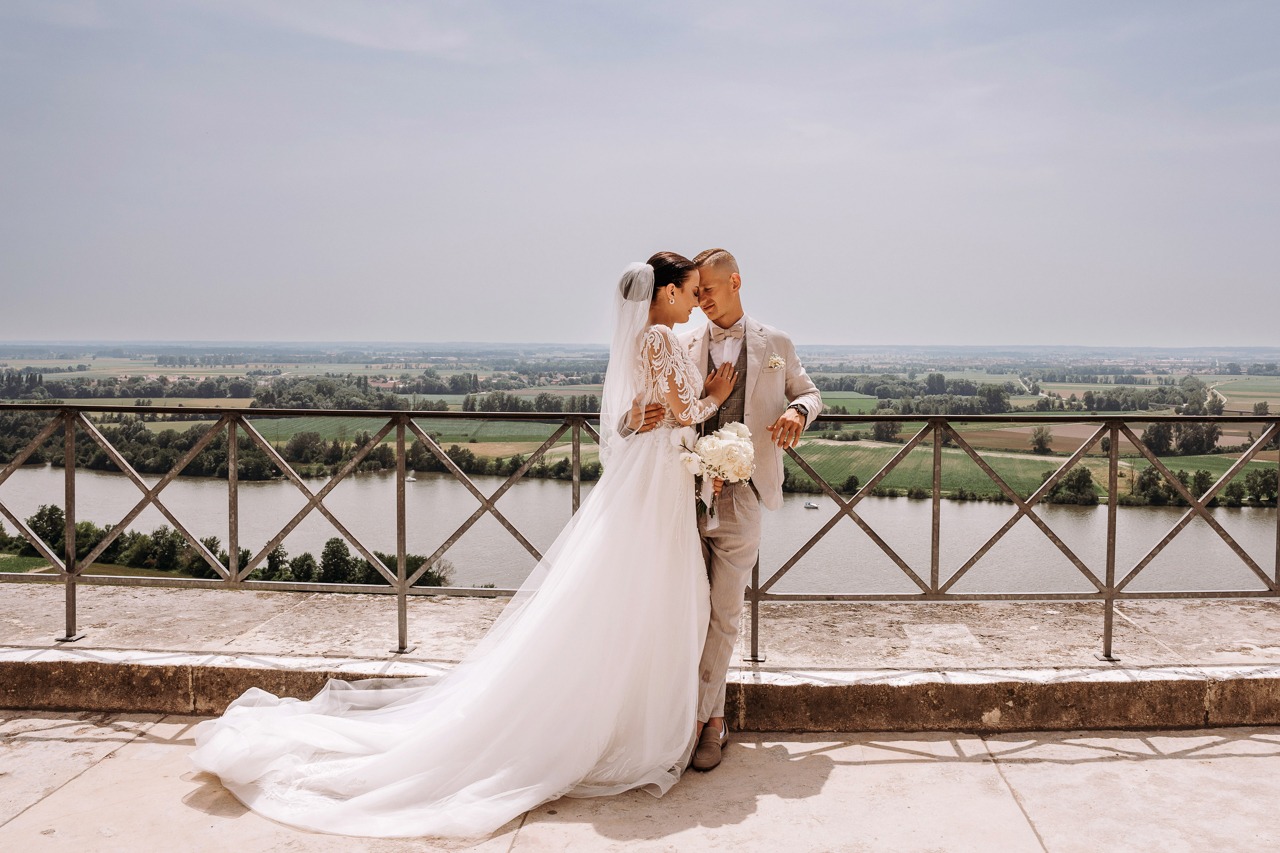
x,y
124,617
1197,631
441,628
818,792
793,635
925,636
41,752
1168,791
146,797
123,783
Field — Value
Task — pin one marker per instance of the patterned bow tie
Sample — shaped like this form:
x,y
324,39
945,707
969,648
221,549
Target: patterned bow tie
x,y
718,334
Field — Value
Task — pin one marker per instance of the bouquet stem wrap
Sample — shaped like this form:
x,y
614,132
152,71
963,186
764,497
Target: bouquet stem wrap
x,y
708,496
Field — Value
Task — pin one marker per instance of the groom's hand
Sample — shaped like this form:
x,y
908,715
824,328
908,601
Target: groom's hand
x,y
644,418
787,429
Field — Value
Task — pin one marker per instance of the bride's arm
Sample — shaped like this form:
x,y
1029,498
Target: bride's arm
x,y
668,375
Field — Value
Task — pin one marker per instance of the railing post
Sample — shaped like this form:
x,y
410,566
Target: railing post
x,y
69,530
936,535
754,656
577,464
233,505
1113,501
402,578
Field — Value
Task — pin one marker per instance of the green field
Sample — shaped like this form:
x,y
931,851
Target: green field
x,y
16,565
857,404
978,376
99,368
835,462
1215,463
118,571
280,430
1242,392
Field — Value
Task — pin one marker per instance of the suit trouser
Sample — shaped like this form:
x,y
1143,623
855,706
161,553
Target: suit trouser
x,y
730,550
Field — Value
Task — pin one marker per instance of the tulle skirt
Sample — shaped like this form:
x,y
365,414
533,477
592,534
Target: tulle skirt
x,y
585,686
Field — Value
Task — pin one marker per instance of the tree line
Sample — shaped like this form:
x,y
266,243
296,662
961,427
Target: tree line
x,y
1270,368
17,385
165,549
1150,488
330,391
891,386
501,401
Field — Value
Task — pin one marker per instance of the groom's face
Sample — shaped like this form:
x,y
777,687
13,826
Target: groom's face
x,y
718,295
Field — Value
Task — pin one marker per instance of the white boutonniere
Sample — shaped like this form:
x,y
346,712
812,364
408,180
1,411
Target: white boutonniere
x,y
776,362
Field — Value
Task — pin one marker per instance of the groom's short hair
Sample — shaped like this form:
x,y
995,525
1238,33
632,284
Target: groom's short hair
x,y
717,258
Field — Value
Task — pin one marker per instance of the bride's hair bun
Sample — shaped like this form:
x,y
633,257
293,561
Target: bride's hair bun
x,y
641,282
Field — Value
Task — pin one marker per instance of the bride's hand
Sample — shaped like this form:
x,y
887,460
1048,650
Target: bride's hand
x,y
720,381
717,486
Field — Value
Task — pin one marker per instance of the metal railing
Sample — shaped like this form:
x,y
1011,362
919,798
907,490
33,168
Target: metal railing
x,y
70,571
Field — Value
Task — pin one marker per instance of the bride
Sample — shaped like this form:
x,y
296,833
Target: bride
x,y
587,683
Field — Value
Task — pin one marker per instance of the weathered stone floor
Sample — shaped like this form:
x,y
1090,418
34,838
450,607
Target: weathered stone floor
x,y
793,636
89,781
94,782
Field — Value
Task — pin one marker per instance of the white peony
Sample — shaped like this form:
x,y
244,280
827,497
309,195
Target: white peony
x,y
727,454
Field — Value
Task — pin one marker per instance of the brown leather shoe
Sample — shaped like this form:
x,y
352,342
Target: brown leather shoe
x,y
711,744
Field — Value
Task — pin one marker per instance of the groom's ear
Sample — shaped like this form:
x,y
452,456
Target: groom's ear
x,y
735,281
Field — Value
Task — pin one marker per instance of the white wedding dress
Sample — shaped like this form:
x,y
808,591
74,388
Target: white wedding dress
x,y
585,686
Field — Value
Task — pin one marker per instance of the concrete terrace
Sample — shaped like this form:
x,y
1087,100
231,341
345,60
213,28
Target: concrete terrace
x,y
93,752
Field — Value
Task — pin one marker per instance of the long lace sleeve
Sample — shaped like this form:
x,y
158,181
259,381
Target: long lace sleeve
x,y
669,375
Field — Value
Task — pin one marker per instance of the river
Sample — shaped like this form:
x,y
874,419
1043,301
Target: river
x,y
846,560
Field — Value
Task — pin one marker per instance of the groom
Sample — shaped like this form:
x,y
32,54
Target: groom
x,y
776,399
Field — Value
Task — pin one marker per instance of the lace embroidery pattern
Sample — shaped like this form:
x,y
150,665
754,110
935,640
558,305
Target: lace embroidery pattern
x,y
669,366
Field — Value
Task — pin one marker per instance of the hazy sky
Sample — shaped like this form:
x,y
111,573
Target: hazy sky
x,y
887,172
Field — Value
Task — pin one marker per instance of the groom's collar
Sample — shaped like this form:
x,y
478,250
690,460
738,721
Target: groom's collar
x,y
748,325
700,340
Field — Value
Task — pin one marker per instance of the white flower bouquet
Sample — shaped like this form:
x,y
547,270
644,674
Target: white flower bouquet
x,y
727,454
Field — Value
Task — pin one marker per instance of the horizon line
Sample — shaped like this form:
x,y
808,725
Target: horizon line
x,y
187,343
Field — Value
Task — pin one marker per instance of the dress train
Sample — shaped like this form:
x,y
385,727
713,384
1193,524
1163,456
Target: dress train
x,y
585,686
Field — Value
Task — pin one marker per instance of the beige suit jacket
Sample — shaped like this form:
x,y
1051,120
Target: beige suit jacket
x,y
770,389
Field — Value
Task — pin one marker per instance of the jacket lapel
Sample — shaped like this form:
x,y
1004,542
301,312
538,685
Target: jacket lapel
x,y
757,343
699,343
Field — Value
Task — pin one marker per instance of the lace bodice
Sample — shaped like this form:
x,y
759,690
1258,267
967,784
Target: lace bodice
x,y
672,379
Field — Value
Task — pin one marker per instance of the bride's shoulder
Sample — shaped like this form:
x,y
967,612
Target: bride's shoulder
x,y
660,334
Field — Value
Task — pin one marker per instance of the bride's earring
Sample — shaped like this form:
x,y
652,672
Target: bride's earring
x,y
671,299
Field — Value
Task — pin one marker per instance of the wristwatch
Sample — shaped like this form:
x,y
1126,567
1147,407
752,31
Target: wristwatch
x,y
801,408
